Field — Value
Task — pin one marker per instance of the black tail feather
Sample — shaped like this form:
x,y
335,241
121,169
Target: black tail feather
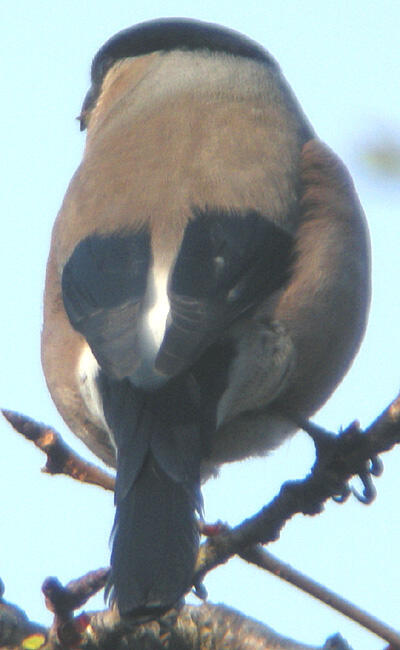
x,y
155,536
155,542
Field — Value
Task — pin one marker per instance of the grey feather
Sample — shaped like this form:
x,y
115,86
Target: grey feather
x,y
155,541
155,537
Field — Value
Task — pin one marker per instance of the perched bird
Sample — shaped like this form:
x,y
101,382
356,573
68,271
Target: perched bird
x,y
208,282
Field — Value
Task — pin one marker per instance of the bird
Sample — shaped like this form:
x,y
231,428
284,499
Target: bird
x,y
207,286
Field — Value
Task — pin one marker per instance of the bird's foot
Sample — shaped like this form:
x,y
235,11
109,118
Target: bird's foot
x,y
333,451
208,530
211,530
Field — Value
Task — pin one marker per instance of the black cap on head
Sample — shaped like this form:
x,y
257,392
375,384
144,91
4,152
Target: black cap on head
x,y
163,35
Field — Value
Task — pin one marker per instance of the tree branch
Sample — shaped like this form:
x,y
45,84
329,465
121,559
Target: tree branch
x,y
265,560
15,625
61,459
338,459
190,628
348,456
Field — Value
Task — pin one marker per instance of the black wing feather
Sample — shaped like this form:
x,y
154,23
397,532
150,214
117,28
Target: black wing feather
x,y
227,263
103,284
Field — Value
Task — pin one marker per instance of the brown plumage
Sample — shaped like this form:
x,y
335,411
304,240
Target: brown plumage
x,y
208,282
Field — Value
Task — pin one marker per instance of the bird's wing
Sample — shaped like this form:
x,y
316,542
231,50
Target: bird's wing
x,y
227,263
103,286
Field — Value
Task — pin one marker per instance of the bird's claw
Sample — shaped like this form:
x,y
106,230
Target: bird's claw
x,y
200,591
212,530
376,466
343,495
327,447
369,492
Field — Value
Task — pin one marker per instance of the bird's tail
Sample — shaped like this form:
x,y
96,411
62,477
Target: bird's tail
x,y
155,537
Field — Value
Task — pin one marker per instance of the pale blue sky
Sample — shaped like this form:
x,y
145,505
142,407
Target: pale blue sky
x,y
342,59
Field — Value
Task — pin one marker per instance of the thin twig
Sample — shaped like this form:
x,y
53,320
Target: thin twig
x,y
348,457
61,459
62,601
265,560
327,479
